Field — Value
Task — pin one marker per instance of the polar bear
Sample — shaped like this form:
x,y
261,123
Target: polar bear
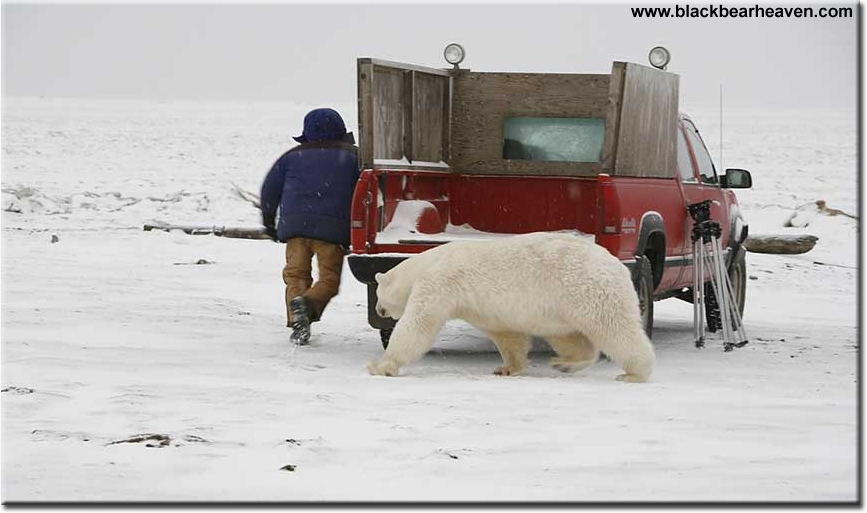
x,y
558,286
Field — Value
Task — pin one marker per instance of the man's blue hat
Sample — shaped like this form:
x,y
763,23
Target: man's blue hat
x,y
322,124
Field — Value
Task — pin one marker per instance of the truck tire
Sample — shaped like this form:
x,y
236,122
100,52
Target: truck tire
x,y
711,309
738,276
644,288
385,336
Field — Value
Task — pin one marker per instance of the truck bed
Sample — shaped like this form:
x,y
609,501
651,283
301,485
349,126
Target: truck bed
x,y
415,210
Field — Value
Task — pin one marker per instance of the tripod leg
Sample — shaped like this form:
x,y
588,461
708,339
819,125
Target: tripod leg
x,y
738,338
698,292
739,335
714,282
722,293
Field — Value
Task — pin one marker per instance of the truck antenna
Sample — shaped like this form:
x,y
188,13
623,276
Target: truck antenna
x,y
721,168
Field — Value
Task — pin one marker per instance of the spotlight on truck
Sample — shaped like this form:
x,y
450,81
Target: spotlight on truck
x,y
454,54
659,57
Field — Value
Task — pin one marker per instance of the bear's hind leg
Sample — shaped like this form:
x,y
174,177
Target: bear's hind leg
x,y
629,347
575,352
513,348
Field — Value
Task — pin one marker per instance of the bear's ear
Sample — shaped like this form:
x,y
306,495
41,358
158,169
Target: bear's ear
x,y
380,278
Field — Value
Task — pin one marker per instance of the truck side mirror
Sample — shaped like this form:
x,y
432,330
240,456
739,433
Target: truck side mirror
x,y
736,179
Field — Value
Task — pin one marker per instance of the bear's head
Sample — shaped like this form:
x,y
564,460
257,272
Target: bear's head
x,y
392,295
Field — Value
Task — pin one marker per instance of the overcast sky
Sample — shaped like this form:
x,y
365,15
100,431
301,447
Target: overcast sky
x,y
307,53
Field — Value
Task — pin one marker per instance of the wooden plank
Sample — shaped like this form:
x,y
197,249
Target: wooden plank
x,y
530,168
647,137
388,115
428,98
482,101
409,129
404,66
365,114
447,122
416,166
612,117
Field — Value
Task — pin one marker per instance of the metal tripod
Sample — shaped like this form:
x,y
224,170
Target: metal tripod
x,y
708,256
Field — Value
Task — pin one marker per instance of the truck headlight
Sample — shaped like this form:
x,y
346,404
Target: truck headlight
x,y
659,57
454,54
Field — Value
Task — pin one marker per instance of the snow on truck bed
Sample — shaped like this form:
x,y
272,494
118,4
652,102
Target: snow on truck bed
x,y
403,229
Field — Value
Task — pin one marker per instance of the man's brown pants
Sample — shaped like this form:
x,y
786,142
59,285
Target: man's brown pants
x,y
299,281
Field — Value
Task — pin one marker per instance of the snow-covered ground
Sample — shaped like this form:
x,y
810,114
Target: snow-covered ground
x,y
109,332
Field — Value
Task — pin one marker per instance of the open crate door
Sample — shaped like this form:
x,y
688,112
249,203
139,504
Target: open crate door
x,y
641,130
404,115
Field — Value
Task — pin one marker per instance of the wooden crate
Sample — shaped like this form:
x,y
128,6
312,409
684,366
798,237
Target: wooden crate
x,y
426,118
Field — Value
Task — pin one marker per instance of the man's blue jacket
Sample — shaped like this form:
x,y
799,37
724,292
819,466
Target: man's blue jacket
x,y
313,183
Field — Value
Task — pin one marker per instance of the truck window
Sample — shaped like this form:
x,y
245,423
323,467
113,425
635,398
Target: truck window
x,y
554,139
702,157
684,162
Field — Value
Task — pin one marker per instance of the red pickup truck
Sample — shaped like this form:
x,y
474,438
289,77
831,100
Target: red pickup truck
x,y
455,154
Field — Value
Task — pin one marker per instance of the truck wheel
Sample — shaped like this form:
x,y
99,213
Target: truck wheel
x,y
644,289
385,336
738,277
711,309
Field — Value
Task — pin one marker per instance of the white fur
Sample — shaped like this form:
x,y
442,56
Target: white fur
x,y
561,287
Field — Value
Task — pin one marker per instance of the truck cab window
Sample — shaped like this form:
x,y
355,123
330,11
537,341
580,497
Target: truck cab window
x,y
684,162
553,139
705,164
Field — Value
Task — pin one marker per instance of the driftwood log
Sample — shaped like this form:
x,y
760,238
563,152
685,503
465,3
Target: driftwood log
x,y
219,231
775,244
780,244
